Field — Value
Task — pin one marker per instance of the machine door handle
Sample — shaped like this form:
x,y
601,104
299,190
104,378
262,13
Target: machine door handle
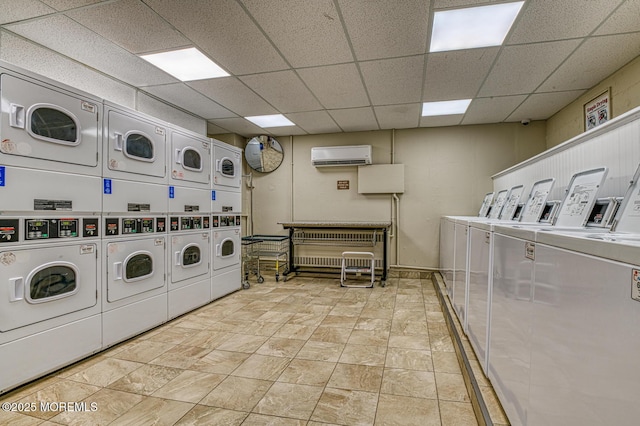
x,y
117,271
16,289
16,116
178,156
118,141
177,258
218,249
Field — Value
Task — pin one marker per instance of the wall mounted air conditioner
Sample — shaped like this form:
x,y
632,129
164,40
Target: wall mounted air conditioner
x,y
353,155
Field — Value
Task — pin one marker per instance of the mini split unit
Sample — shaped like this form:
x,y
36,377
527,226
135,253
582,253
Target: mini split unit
x,y
353,155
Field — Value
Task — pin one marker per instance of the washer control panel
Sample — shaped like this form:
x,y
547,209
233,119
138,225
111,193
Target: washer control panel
x,y
38,229
225,221
134,225
188,223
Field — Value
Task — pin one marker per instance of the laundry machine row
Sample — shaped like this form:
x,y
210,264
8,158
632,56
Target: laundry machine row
x,y
106,222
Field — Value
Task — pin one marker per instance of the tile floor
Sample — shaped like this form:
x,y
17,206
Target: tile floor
x,y
304,352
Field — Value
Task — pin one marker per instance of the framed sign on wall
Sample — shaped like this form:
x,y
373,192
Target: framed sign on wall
x,y
598,110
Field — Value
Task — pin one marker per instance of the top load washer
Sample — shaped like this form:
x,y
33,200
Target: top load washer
x,y
189,159
47,125
227,167
134,145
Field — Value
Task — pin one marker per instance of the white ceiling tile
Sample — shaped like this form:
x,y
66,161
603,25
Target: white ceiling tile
x,y
624,19
336,86
355,119
492,110
394,81
379,28
457,74
555,20
520,69
212,129
55,32
48,63
405,116
445,4
238,125
69,4
307,33
543,105
441,120
185,97
131,25
224,31
169,114
583,70
285,131
234,95
28,9
284,90
314,122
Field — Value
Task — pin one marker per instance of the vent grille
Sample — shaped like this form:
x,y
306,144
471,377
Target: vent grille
x,y
333,262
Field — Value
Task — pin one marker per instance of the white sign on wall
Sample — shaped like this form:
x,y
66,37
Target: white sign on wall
x,y
597,111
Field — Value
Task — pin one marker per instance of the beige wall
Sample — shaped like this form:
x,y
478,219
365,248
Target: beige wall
x,y
447,171
625,95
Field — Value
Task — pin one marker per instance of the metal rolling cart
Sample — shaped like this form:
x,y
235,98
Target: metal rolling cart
x,y
274,249
250,261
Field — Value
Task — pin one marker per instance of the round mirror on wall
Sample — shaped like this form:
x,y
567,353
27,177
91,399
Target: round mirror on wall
x,y
264,154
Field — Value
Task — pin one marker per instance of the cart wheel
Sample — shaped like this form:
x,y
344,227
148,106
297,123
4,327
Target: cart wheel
x,y
260,279
277,277
246,285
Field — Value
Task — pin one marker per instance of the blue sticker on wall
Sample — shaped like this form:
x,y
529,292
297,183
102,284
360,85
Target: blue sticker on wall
x,y
172,192
106,186
2,176
213,195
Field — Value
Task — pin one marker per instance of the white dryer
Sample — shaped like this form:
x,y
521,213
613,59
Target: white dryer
x,y
189,159
189,263
47,125
135,145
49,293
226,167
226,254
189,253
134,279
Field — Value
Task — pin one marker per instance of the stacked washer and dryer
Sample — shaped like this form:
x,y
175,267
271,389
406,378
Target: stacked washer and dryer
x,y
189,252
105,223
134,206
50,262
226,205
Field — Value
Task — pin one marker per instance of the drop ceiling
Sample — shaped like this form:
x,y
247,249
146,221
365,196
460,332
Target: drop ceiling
x,y
339,65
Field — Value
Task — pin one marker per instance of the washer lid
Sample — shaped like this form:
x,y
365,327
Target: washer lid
x,y
537,200
580,197
486,203
628,217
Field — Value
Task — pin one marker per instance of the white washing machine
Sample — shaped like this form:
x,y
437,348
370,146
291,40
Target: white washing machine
x,y
46,125
584,334
189,159
50,297
135,145
189,253
226,167
226,254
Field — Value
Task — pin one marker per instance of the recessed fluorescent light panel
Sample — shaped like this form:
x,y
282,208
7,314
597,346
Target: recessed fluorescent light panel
x,y
473,27
275,120
445,107
186,64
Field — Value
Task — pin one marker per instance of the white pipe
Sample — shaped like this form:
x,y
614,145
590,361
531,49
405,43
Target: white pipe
x,y
397,231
